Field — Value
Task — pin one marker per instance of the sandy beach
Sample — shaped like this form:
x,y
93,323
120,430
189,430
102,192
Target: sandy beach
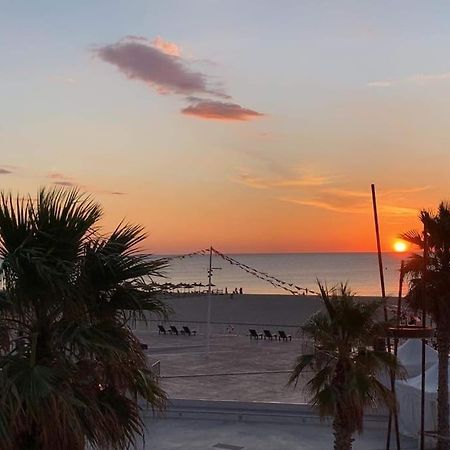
x,y
241,312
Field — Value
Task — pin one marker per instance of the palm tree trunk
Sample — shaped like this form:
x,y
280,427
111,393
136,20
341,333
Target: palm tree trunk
x,y
443,340
343,439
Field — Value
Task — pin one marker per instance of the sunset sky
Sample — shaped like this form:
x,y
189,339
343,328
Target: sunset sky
x,y
251,125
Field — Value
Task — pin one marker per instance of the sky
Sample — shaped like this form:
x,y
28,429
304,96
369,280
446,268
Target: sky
x,y
249,125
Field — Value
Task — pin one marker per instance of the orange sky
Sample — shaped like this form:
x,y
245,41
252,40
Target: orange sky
x,y
252,132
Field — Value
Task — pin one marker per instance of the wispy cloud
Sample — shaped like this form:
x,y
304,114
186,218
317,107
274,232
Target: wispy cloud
x,y
420,78
329,193
61,179
65,183
4,171
353,202
161,65
57,176
423,77
217,110
382,84
301,180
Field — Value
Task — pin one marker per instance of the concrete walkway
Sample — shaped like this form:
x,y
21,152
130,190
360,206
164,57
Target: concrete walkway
x,y
186,434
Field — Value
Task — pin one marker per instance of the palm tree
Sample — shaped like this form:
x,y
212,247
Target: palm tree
x,y
71,370
345,365
432,292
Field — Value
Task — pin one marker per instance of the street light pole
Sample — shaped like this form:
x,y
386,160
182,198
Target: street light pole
x,y
208,318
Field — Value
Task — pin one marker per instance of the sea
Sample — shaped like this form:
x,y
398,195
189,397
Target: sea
x,y
359,270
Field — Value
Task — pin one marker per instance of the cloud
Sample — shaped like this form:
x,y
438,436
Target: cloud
x,y
57,175
324,192
65,183
4,171
302,180
169,48
117,193
216,110
380,83
322,204
156,64
423,78
159,64
419,78
352,202
61,179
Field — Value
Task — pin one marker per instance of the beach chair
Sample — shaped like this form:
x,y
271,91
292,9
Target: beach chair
x,y
161,330
189,332
174,330
283,336
269,335
254,335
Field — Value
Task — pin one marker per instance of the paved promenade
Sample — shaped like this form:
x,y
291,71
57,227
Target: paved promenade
x,y
185,434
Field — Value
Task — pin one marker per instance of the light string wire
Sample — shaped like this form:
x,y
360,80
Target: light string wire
x,y
264,276
292,288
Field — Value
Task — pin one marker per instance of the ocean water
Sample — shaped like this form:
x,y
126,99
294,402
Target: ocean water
x,y
360,270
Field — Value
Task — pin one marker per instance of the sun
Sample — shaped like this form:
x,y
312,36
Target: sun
x,y
400,246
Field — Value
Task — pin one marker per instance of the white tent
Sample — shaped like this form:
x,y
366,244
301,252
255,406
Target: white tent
x,y
410,356
408,396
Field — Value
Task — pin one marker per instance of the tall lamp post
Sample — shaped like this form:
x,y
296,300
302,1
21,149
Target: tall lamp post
x,y
208,317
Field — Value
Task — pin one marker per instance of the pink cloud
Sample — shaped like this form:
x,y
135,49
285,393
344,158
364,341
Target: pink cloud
x,y
216,110
159,64
156,64
169,48
4,171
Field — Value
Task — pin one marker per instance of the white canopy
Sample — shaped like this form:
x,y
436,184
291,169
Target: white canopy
x,y
408,396
410,356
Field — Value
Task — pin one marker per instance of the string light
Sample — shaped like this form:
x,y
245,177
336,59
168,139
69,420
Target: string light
x,y
264,276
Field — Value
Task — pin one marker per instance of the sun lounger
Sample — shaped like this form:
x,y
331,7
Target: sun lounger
x,y
161,330
188,331
284,336
269,335
174,330
254,335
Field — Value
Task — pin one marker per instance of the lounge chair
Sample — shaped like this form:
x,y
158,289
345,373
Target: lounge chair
x,y
188,331
284,336
161,330
254,335
173,330
269,335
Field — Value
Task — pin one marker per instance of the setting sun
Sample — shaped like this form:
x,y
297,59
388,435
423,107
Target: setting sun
x,y
400,246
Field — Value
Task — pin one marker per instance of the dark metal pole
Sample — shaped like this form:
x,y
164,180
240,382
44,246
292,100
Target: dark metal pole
x,y
383,296
424,324
208,318
399,303
380,259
